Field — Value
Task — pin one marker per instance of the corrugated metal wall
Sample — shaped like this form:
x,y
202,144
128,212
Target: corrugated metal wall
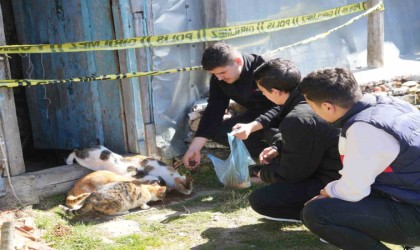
x,y
174,94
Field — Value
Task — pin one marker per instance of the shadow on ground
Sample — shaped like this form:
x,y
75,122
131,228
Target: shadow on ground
x,y
272,235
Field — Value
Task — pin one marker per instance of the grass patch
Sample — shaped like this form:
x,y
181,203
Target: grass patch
x,y
214,218
134,242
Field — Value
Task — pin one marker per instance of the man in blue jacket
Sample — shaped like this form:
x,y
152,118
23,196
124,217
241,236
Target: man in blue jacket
x,y
377,198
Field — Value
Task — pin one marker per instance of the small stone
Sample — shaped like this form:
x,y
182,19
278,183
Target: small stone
x,y
413,90
410,84
409,98
384,88
400,91
380,93
377,89
397,84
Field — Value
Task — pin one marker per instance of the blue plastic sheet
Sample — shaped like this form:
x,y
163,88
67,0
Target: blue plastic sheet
x,y
233,172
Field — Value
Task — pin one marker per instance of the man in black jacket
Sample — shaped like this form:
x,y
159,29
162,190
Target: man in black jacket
x,y
232,78
303,156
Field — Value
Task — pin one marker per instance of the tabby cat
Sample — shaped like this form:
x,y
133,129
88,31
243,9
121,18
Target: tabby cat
x,y
148,169
91,182
117,198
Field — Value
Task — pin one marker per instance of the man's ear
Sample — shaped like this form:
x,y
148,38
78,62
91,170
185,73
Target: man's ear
x,y
277,91
238,61
328,107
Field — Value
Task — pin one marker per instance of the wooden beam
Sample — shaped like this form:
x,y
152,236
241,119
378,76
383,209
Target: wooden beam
x,y
9,129
143,26
375,48
8,235
31,187
127,62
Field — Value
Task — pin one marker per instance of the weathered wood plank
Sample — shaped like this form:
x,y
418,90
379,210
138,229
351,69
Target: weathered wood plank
x,y
58,180
143,26
55,189
8,236
101,27
124,24
9,123
30,187
24,187
375,47
72,115
59,174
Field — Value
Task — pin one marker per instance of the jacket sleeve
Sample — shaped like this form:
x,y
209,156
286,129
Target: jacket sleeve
x,y
300,154
213,114
266,118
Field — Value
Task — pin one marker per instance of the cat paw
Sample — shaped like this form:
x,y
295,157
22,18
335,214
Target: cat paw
x,y
70,159
145,206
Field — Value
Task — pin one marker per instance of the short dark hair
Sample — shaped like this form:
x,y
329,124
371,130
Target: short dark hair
x,y
334,85
280,74
218,55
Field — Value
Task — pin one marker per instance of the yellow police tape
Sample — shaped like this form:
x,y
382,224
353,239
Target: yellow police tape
x,y
379,6
32,82
194,36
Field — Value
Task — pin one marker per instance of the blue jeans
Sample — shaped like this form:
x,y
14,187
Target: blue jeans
x,y
363,224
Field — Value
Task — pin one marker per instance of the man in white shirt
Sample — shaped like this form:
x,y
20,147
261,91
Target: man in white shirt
x,y
377,198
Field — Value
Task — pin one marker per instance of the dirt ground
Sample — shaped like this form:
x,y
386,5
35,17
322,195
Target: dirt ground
x,y
25,233
28,236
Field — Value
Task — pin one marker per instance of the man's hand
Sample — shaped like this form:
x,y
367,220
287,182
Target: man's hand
x,y
268,154
322,195
256,180
243,130
192,157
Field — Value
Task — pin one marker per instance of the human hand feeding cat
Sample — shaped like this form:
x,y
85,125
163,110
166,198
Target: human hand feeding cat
x,y
192,157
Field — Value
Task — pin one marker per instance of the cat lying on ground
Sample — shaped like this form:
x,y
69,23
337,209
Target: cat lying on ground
x,y
100,158
92,181
153,168
117,198
148,169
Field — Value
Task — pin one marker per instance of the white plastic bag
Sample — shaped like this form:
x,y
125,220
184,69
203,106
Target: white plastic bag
x,y
233,172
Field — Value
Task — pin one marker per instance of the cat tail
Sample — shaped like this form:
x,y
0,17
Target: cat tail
x,y
70,158
76,201
79,211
